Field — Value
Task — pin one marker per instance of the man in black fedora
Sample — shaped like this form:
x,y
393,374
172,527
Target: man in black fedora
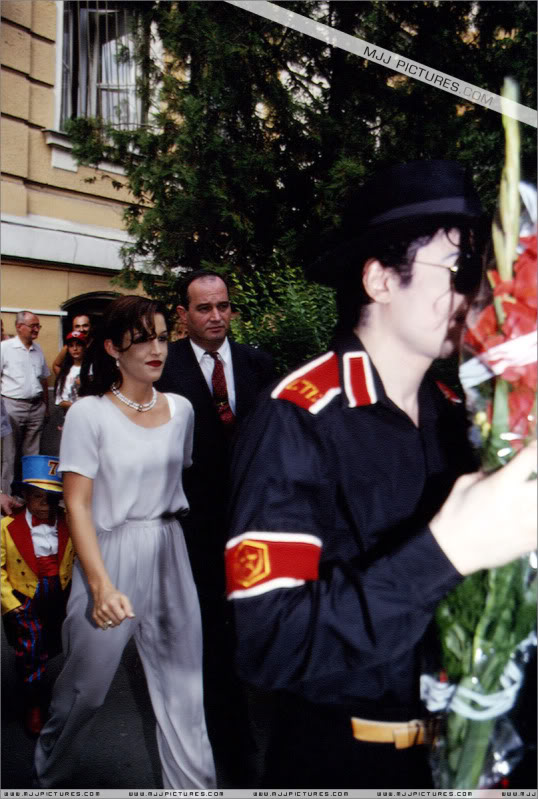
x,y
356,506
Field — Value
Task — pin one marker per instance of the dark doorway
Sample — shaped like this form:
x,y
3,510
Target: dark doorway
x,y
92,304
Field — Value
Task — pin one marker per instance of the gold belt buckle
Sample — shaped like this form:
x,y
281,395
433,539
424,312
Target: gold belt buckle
x,y
409,734
401,734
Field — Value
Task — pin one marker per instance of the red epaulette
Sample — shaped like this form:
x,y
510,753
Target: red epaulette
x,y
358,379
449,393
314,385
311,386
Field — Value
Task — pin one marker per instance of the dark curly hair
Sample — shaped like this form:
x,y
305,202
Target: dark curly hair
x,y
128,314
396,248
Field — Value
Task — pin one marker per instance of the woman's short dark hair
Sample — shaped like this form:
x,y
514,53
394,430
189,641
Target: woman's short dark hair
x,y
129,314
396,247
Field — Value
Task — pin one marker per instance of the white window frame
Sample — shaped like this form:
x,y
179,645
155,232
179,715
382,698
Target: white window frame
x,y
56,138
93,86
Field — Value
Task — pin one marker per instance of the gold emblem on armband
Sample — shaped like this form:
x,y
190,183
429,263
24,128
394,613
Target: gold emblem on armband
x,y
251,563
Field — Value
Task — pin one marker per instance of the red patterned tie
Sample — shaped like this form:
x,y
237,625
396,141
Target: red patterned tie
x,y
220,392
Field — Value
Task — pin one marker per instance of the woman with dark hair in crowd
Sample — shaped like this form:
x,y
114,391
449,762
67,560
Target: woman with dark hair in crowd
x,y
66,387
123,449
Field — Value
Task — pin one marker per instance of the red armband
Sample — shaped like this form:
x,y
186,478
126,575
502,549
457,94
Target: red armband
x,y
260,562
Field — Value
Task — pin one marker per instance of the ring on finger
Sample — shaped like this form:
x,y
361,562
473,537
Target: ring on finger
x,y
107,625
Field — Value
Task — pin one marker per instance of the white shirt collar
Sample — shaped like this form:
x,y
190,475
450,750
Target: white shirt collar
x,y
18,343
223,351
43,526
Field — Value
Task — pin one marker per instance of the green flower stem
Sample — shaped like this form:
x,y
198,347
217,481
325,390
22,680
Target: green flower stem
x,y
505,240
483,620
500,423
481,644
473,753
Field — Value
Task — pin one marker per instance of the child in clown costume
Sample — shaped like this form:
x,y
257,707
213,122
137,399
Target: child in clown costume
x,y
37,562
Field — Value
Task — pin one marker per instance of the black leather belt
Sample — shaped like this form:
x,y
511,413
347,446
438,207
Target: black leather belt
x,y
33,400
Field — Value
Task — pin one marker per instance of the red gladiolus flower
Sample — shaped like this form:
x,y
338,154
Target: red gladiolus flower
x,y
519,302
525,275
529,242
485,334
524,375
521,410
523,286
520,319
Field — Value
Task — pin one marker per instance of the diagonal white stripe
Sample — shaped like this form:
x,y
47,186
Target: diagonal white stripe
x,y
270,585
389,59
292,538
321,403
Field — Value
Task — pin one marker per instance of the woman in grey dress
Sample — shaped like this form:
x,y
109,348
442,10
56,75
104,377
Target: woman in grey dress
x,y
123,449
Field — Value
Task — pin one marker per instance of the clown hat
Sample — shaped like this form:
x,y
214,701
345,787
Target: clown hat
x,y
41,471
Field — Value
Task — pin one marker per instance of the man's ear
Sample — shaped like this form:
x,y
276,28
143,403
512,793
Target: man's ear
x,y
181,312
110,349
377,280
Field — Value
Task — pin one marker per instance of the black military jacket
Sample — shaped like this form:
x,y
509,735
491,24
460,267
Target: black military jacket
x,y
332,570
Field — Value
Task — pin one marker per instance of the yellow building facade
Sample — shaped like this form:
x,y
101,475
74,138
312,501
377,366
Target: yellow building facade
x,y
61,236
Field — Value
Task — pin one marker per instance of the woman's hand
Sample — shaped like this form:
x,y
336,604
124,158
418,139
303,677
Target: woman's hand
x,y
111,607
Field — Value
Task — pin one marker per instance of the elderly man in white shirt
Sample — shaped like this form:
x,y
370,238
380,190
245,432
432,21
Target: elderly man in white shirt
x,y
24,391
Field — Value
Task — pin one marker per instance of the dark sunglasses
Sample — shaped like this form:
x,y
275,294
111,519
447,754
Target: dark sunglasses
x,y
465,274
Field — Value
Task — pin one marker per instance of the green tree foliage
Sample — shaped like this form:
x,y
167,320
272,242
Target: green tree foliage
x,y
258,132
284,314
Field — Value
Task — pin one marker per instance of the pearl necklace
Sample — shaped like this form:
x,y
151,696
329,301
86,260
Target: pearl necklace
x,y
145,406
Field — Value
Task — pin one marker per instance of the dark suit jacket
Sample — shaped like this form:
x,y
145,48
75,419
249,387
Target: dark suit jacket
x,y
206,482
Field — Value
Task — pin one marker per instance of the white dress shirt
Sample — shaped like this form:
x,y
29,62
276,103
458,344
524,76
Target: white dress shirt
x,y
44,537
22,369
207,364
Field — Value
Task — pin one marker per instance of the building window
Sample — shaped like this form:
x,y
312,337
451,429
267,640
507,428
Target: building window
x,y
99,72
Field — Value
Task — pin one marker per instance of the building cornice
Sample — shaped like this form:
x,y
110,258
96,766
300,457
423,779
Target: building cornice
x,y
45,239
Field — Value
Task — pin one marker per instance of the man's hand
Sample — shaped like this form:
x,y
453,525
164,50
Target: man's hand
x,y
45,387
489,521
9,504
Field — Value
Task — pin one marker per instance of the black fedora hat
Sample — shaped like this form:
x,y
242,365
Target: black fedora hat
x,y
397,199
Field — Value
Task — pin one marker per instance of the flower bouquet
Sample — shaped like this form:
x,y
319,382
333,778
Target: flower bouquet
x,y
487,623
